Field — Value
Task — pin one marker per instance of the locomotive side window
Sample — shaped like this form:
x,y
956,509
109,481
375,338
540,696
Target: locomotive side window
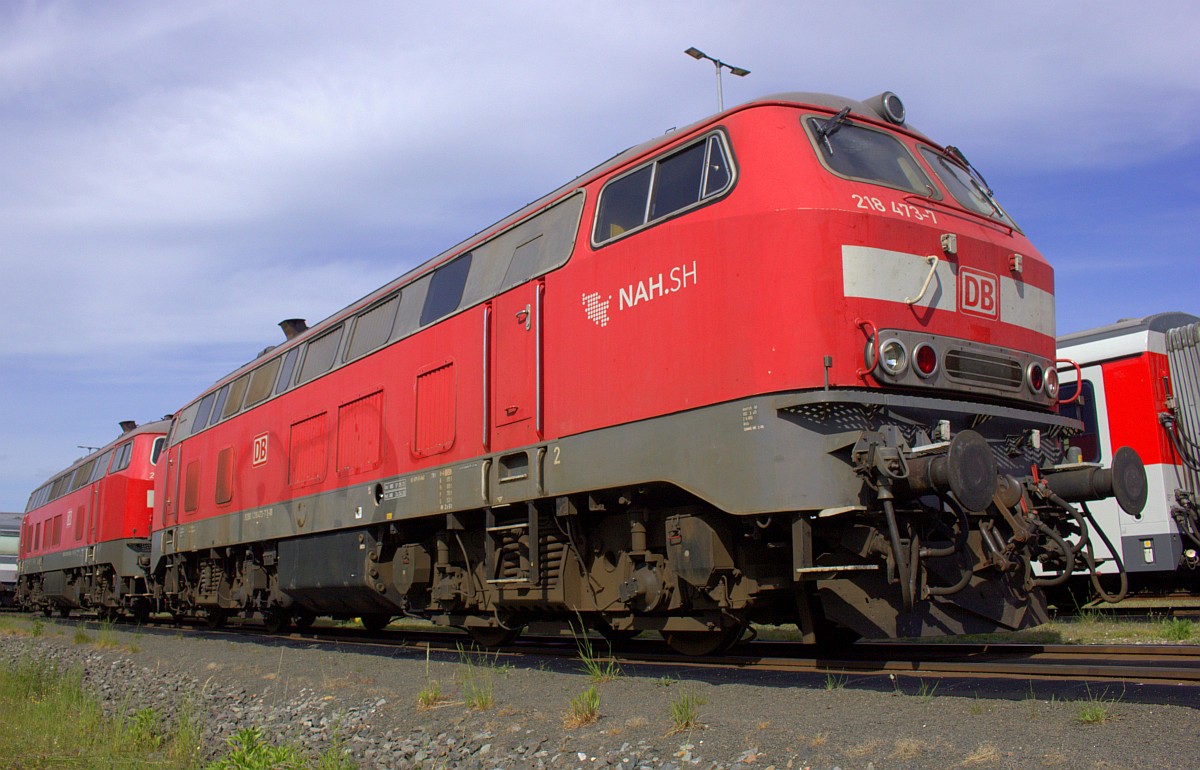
x,y
200,420
319,354
262,380
663,187
623,204
285,370
60,486
964,187
1084,410
101,466
373,327
541,243
219,405
83,474
677,181
237,391
856,152
124,452
446,289
156,449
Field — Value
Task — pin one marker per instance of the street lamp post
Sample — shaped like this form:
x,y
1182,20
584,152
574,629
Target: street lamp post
x,y
697,54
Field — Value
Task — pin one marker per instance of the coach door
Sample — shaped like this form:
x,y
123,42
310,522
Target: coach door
x,y
516,397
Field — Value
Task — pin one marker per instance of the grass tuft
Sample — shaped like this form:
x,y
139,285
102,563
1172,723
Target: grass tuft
x,y
685,714
478,687
583,709
598,669
1176,629
1096,710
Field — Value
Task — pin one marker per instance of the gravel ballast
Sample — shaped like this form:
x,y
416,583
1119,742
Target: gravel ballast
x,y
310,694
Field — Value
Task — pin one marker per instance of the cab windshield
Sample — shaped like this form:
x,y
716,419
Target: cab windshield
x,y
965,188
865,154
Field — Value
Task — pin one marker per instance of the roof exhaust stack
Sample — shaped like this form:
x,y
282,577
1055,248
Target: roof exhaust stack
x,y
293,327
127,425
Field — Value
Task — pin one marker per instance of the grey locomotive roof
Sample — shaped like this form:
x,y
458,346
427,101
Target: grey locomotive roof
x,y
10,518
1159,322
159,426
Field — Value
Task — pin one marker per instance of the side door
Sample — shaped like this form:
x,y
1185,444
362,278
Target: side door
x,y
516,366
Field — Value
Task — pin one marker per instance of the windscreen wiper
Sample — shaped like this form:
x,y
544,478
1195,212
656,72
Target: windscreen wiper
x,y
977,181
957,154
831,126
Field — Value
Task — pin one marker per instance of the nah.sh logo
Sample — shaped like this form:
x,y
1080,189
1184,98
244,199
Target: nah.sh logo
x,y
978,293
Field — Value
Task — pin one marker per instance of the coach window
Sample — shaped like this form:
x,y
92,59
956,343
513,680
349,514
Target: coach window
x,y
868,155
1084,410
285,370
698,172
446,289
319,354
262,380
372,327
200,421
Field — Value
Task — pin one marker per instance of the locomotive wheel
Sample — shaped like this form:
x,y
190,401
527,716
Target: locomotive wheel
x,y
701,643
64,612
375,621
277,620
303,618
493,636
216,617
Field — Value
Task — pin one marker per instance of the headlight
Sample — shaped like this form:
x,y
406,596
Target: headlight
x,y
893,357
1051,386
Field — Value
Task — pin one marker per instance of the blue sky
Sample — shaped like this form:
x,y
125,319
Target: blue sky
x,y
178,177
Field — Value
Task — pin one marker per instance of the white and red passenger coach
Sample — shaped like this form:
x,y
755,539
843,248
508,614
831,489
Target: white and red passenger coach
x,y
1138,385
792,363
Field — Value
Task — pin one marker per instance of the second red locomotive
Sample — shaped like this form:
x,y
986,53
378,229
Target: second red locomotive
x,y
792,363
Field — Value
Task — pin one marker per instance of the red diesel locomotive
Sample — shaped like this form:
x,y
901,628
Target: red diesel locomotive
x,y
85,537
1138,385
792,363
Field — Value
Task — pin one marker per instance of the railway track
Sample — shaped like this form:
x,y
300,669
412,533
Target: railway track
x,y
1159,664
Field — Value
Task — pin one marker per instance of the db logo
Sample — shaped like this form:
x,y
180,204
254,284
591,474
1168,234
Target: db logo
x,y
258,454
978,293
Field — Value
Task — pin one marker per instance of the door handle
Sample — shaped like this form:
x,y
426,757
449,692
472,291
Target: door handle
x,y
524,317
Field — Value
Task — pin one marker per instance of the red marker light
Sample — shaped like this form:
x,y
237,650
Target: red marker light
x,y
925,360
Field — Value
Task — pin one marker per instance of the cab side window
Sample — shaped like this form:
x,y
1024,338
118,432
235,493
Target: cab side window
x,y
687,177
